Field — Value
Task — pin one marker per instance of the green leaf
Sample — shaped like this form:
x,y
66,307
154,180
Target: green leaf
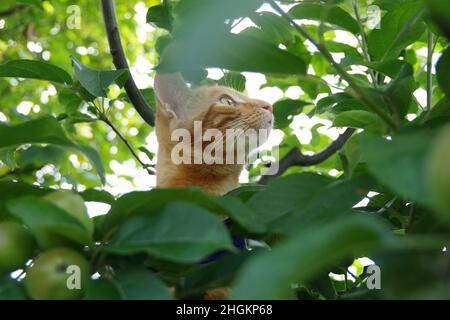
x,y
210,15
34,69
326,13
160,16
391,68
284,110
141,284
46,130
325,104
254,55
440,11
274,28
97,196
101,289
96,82
443,76
362,120
400,164
399,92
11,290
148,94
46,221
399,28
234,80
11,190
151,202
304,256
40,156
294,201
69,99
181,232
217,274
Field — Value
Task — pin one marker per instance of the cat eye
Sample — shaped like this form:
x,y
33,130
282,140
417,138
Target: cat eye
x,y
226,100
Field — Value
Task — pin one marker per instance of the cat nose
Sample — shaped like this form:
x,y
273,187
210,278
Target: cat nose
x,y
267,106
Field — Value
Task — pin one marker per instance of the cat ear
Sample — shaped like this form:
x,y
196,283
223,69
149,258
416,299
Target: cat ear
x,y
172,94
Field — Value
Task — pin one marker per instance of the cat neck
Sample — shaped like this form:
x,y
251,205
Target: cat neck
x,y
214,179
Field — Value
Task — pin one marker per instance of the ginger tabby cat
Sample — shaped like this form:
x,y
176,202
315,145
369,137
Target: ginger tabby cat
x,y
217,107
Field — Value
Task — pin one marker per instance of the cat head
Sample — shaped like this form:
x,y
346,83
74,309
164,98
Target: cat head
x,y
235,117
216,107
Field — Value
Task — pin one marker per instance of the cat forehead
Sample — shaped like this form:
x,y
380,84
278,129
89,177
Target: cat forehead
x,y
215,92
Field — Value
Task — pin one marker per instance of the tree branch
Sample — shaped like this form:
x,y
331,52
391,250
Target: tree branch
x,y
120,61
296,158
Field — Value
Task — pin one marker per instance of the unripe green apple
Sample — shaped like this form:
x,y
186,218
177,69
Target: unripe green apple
x,y
73,204
16,246
58,274
439,174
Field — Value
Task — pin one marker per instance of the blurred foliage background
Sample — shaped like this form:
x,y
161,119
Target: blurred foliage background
x,y
380,67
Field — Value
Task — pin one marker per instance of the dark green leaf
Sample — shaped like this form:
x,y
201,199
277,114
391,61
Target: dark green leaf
x,y
274,28
96,82
11,290
399,28
400,164
46,131
69,99
153,201
440,11
254,55
160,16
101,289
292,202
97,196
34,69
181,232
443,73
362,120
301,258
141,284
326,13
399,92
47,221
284,110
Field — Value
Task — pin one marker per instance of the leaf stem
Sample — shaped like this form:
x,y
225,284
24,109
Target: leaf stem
x,y
358,92
117,132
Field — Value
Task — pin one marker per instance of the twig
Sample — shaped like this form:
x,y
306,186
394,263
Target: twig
x,y
120,61
429,71
359,92
363,41
296,158
109,123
